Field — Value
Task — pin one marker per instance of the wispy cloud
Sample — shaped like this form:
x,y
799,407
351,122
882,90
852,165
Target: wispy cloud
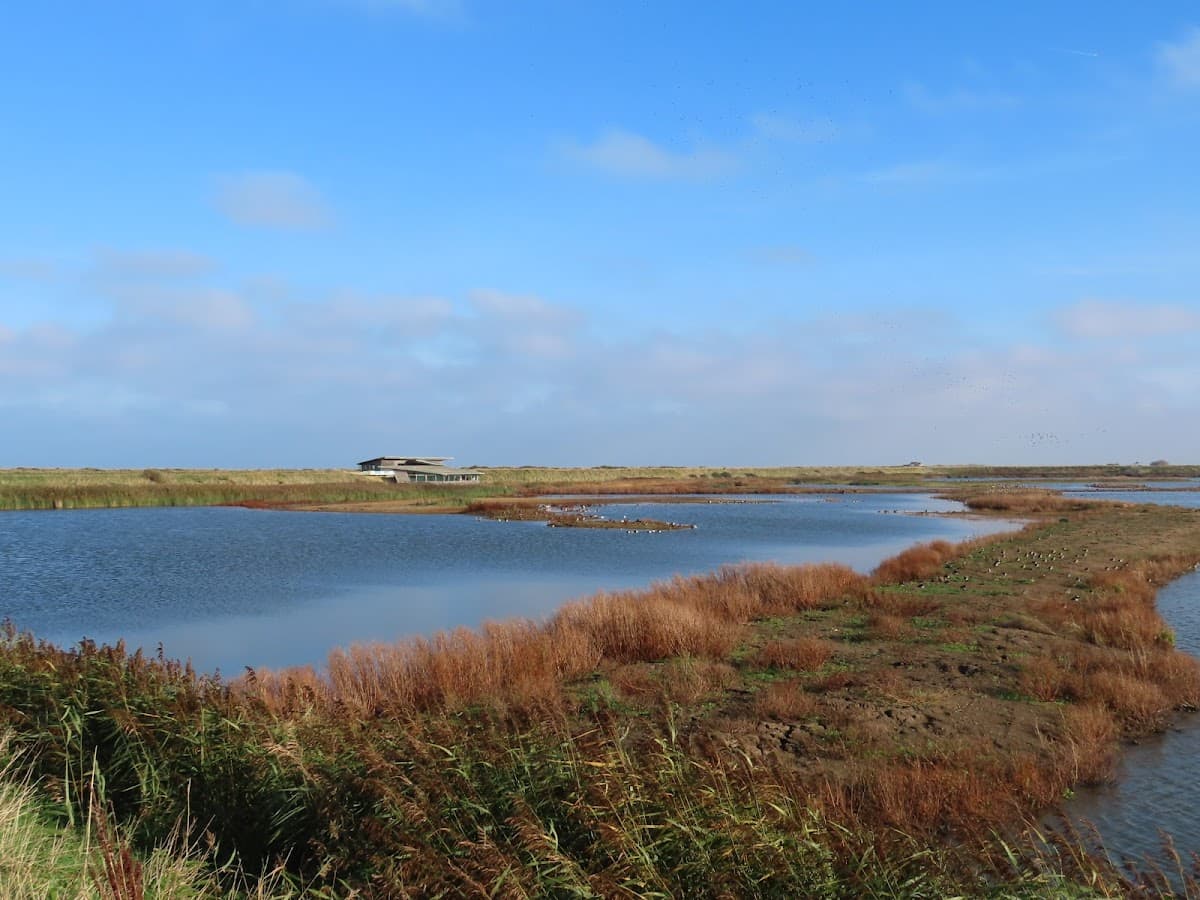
x,y
205,308
526,325
431,8
782,254
914,173
152,263
1180,60
268,199
930,102
1104,319
503,377
625,153
795,131
29,269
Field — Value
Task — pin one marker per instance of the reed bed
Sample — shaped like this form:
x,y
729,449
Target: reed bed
x,y
1020,502
350,489
528,662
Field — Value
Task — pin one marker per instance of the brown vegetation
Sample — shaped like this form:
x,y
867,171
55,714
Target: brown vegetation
x,y
1018,502
910,729
522,662
915,563
802,654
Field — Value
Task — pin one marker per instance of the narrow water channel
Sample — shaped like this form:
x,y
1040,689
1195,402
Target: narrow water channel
x,y
1156,790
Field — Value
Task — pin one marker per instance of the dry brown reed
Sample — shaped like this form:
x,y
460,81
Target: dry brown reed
x,y
1044,679
1176,673
902,605
1139,704
834,681
685,680
916,563
1091,733
786,701
1022,502
804,654
632,627
1116,609
1141,688
521,663
970,793
888,627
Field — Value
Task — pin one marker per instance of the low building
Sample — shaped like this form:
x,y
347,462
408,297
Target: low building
x,y
417,468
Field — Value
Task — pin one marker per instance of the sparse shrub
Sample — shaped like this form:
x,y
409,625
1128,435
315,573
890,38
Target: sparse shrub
x,y
786,589
1021,502
1139,704
687,679
916,563
1044,679
1176,673
834,681
886,626
904,605
786,701
1091,733
801,654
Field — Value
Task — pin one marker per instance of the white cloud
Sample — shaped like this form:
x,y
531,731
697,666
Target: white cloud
x,y
624,153
522,308
209,309
387,312
281,200
1101,319
1181,60
518,378
528,327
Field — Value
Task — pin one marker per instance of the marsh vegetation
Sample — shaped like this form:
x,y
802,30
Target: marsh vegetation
x,y
345,489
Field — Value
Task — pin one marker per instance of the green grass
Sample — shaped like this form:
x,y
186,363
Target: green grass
x,y
88,488
43,857
29,488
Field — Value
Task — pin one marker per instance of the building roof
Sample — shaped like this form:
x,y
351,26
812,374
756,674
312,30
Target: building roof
x,y
407,460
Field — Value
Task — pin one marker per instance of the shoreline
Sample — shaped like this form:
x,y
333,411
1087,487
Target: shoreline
x,y
350,491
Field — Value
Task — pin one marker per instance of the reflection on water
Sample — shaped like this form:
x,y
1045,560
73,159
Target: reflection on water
x,y
234,587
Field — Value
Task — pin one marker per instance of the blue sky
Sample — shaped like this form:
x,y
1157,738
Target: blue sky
x,y
304,232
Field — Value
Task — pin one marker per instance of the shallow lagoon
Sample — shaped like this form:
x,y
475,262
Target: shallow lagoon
x,y
230,587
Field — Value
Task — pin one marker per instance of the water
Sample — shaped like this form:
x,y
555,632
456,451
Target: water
x,y
1155,787
229,587
1189,498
